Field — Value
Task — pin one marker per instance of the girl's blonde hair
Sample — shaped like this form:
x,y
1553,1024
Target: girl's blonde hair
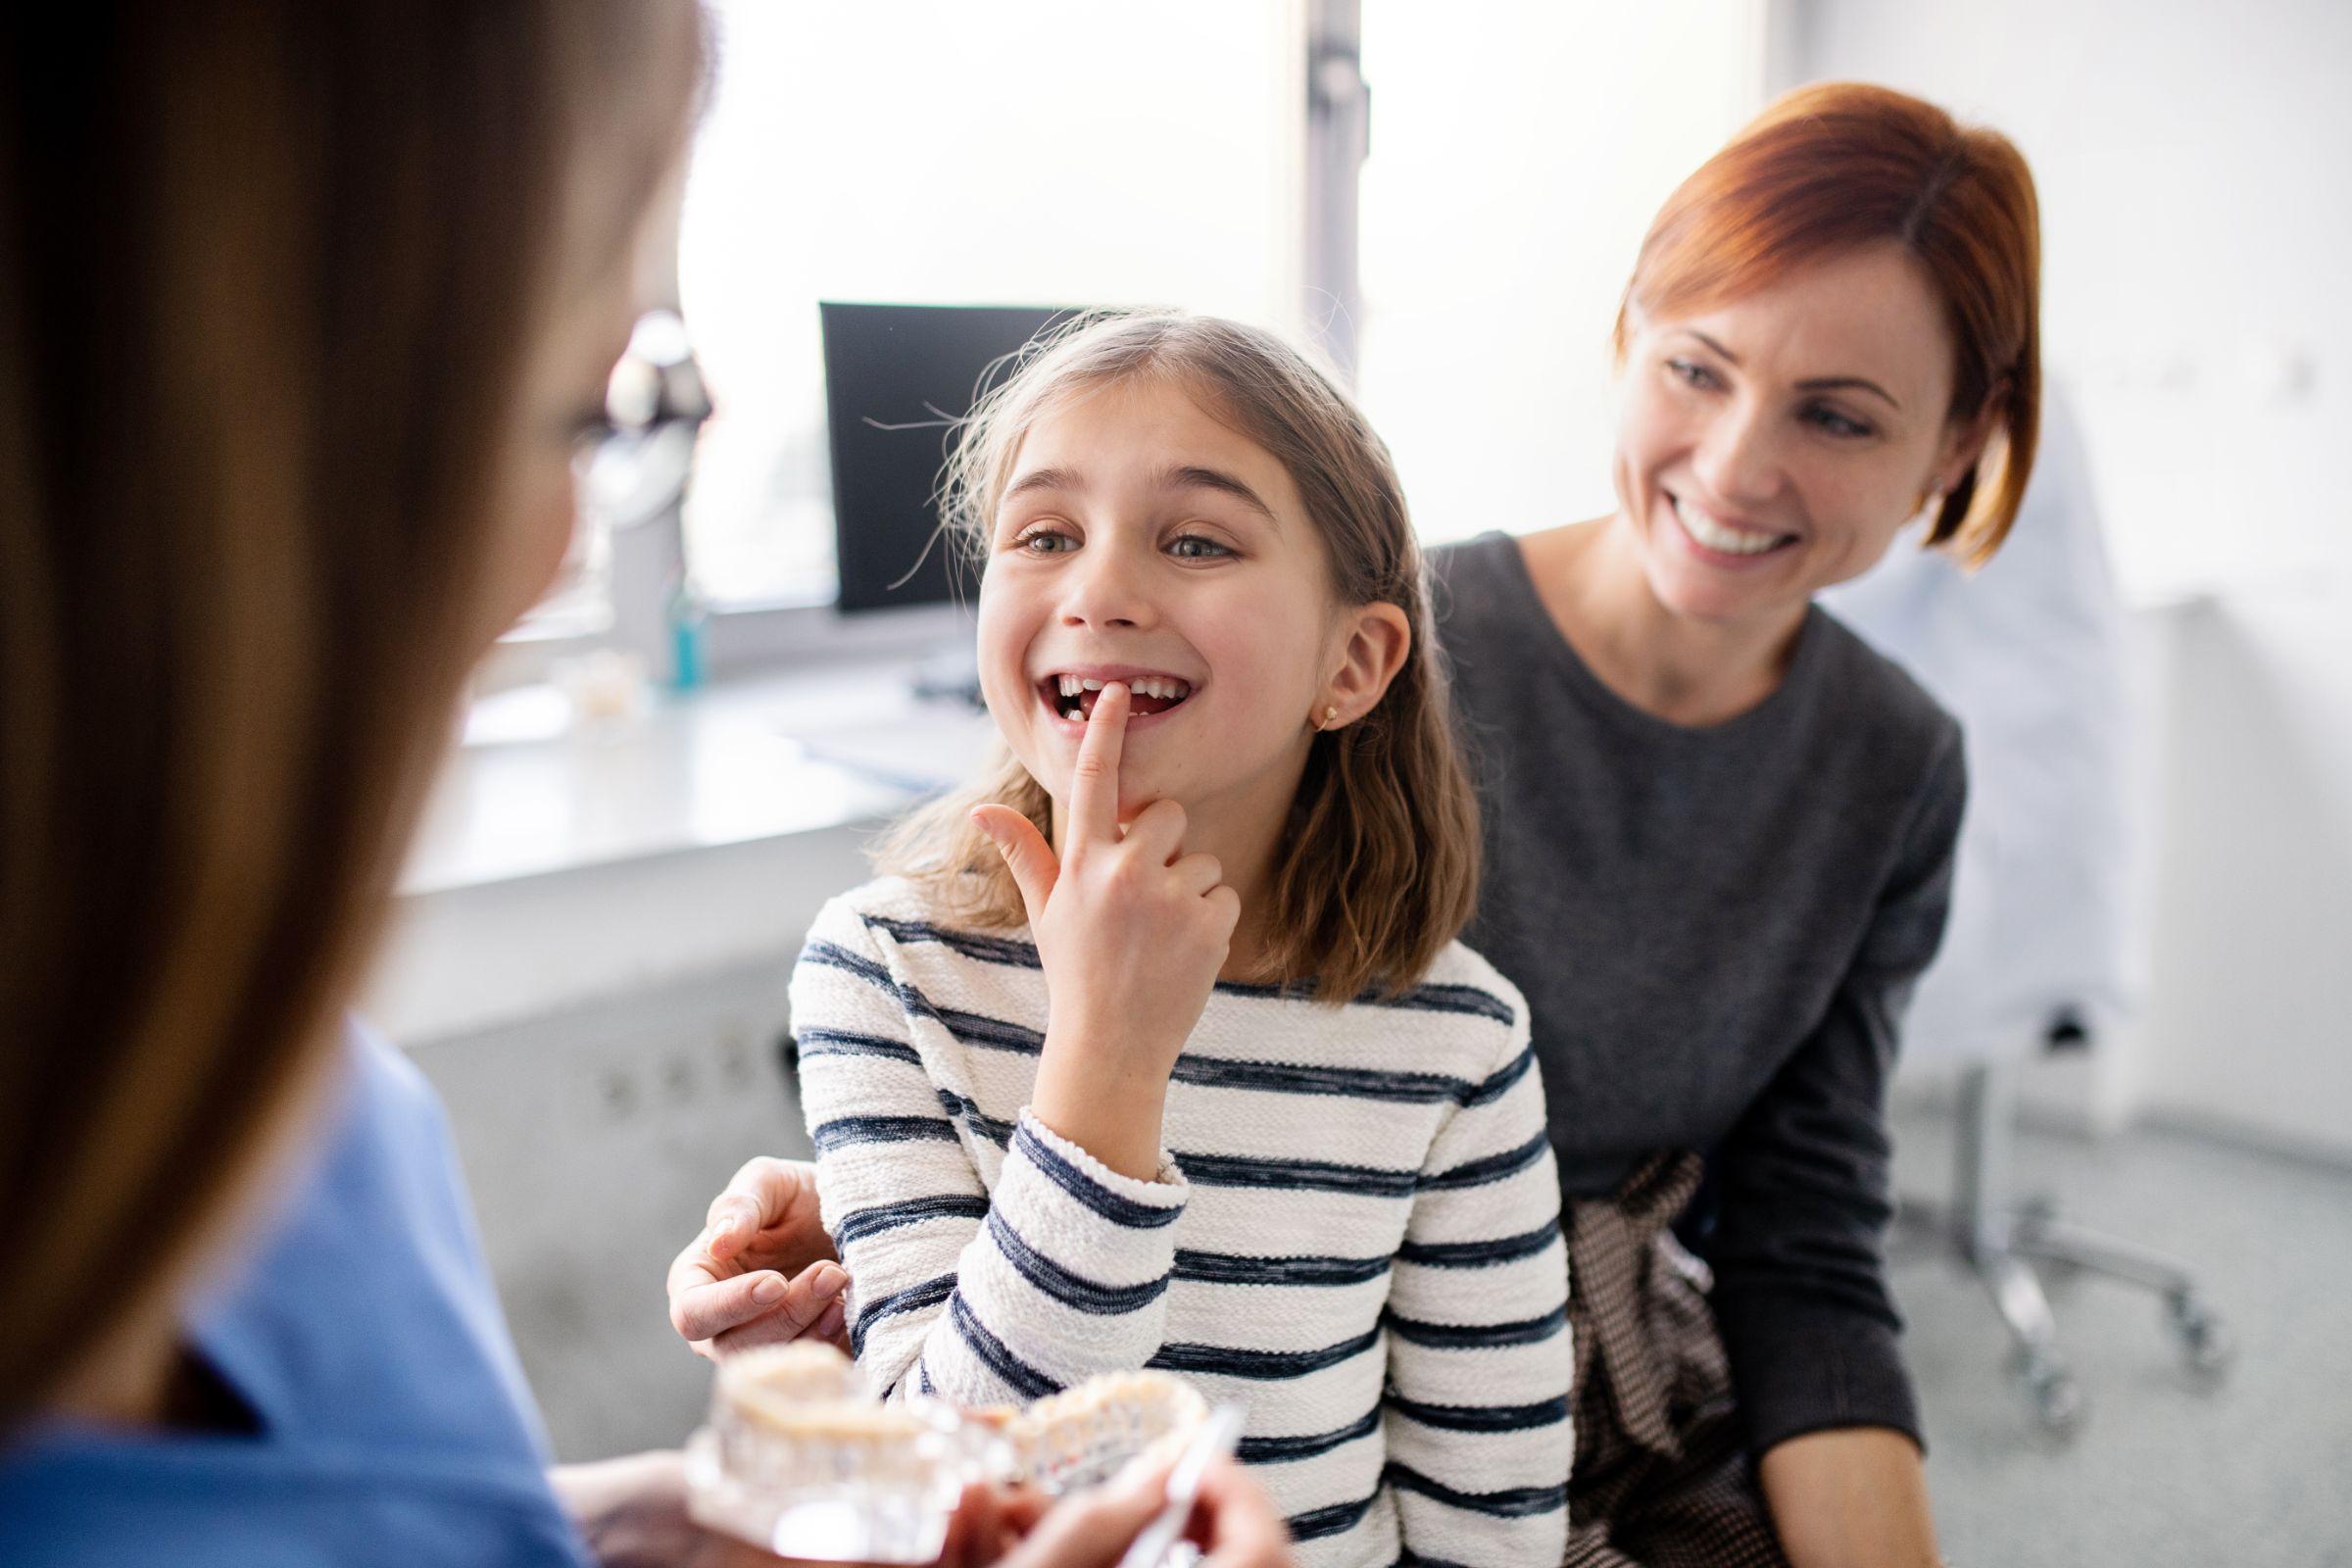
x,y
1378,869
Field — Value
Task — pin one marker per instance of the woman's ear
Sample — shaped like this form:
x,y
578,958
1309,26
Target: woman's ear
x,y
1965,441
1376,639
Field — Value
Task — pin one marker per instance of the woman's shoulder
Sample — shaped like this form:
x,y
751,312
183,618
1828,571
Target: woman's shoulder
x,y
1877,696
1471,580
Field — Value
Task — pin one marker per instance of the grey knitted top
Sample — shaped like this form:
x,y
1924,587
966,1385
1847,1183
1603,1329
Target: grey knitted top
x,y
1716,930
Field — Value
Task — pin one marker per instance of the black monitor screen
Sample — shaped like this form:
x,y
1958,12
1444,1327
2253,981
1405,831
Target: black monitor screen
x,y
896,378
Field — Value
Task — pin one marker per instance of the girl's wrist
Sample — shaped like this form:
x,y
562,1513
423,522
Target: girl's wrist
x,y
1112,1116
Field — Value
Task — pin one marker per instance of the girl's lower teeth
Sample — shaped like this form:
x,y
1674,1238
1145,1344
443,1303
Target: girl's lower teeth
x,y
1081,708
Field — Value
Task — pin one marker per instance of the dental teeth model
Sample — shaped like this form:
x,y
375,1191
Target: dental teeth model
x,y
799,1460
1088,1434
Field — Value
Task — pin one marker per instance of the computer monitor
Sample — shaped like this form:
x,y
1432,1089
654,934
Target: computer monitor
x,y
897,377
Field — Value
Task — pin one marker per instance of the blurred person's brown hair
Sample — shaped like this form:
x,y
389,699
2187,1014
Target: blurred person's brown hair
x,y
268,276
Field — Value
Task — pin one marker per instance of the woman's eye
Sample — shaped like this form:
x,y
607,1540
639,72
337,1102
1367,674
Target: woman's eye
x,y
1046,542
1836,424
1194,547
1691,373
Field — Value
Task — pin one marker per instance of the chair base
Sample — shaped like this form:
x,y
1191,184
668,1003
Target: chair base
x,y
2009,1247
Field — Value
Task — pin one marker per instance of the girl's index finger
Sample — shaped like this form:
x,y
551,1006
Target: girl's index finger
x,y
1095,781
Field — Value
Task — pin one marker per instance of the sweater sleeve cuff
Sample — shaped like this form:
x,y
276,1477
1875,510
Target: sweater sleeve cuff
x,y
1800,1365
1096,1185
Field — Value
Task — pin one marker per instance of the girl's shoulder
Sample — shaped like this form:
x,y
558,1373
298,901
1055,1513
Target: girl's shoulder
x,y
1467,1001
927,914
1463,971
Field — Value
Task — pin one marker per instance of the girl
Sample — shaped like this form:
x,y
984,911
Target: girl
x,y
1156,1048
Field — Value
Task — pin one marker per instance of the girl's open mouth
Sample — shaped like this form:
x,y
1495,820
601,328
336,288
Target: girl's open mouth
x,y
1073,697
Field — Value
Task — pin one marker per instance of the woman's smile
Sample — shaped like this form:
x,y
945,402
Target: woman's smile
x,y
1721,541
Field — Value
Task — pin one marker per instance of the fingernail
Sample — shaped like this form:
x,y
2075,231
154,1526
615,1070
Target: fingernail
x,y
831,1277
768,1291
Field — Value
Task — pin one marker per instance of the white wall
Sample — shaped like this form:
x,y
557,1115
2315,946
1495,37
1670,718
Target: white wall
x,y
1518,152
2193,162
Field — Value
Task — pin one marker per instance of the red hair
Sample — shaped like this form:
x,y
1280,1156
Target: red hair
x,y
1841,165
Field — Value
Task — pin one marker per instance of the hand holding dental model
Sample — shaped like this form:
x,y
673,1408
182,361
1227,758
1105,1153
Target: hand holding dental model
x,y
1132,932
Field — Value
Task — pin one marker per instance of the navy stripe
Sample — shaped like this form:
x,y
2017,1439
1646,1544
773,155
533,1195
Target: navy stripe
x,y
1234,1170
859,1224
971,1028
913,1299
1115,1208
1499,1082
846,1131
1071,1289
1459,999
1017,1374
834,955
1331,1520
976,1028
1482,1417
1491,1168
1478,1335
971,943
1355,1083
843,1042
1235,1268
1283,1450
1480,1254
969,1113
1515,1502
1023,956
1221,1360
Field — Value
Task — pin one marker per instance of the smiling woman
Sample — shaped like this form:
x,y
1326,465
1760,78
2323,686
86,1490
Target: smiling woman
x,y
1721,829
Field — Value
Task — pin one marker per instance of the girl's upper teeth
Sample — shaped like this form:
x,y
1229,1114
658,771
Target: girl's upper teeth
x,y
1721,536
1167,687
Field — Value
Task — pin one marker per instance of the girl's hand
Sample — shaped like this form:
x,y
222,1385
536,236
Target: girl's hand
x,y
1132,932
762,1271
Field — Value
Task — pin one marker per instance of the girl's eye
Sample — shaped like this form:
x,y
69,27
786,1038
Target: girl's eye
x,y
1836,424
1691,373
1194,547
1046,542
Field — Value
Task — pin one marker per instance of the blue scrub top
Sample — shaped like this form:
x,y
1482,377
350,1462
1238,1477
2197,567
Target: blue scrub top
x,y
395,1428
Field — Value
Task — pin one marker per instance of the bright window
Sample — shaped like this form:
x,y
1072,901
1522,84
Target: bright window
x,y
1514,167
1056,152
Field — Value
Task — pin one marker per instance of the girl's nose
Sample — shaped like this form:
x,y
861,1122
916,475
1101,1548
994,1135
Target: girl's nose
x,y
1107,589
1736,459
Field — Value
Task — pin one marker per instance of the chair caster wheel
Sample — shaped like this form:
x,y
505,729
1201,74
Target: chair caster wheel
x,y
2205,1339
2058,1401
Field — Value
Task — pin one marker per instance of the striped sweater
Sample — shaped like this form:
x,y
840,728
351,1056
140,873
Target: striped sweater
x,y
1354,1233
